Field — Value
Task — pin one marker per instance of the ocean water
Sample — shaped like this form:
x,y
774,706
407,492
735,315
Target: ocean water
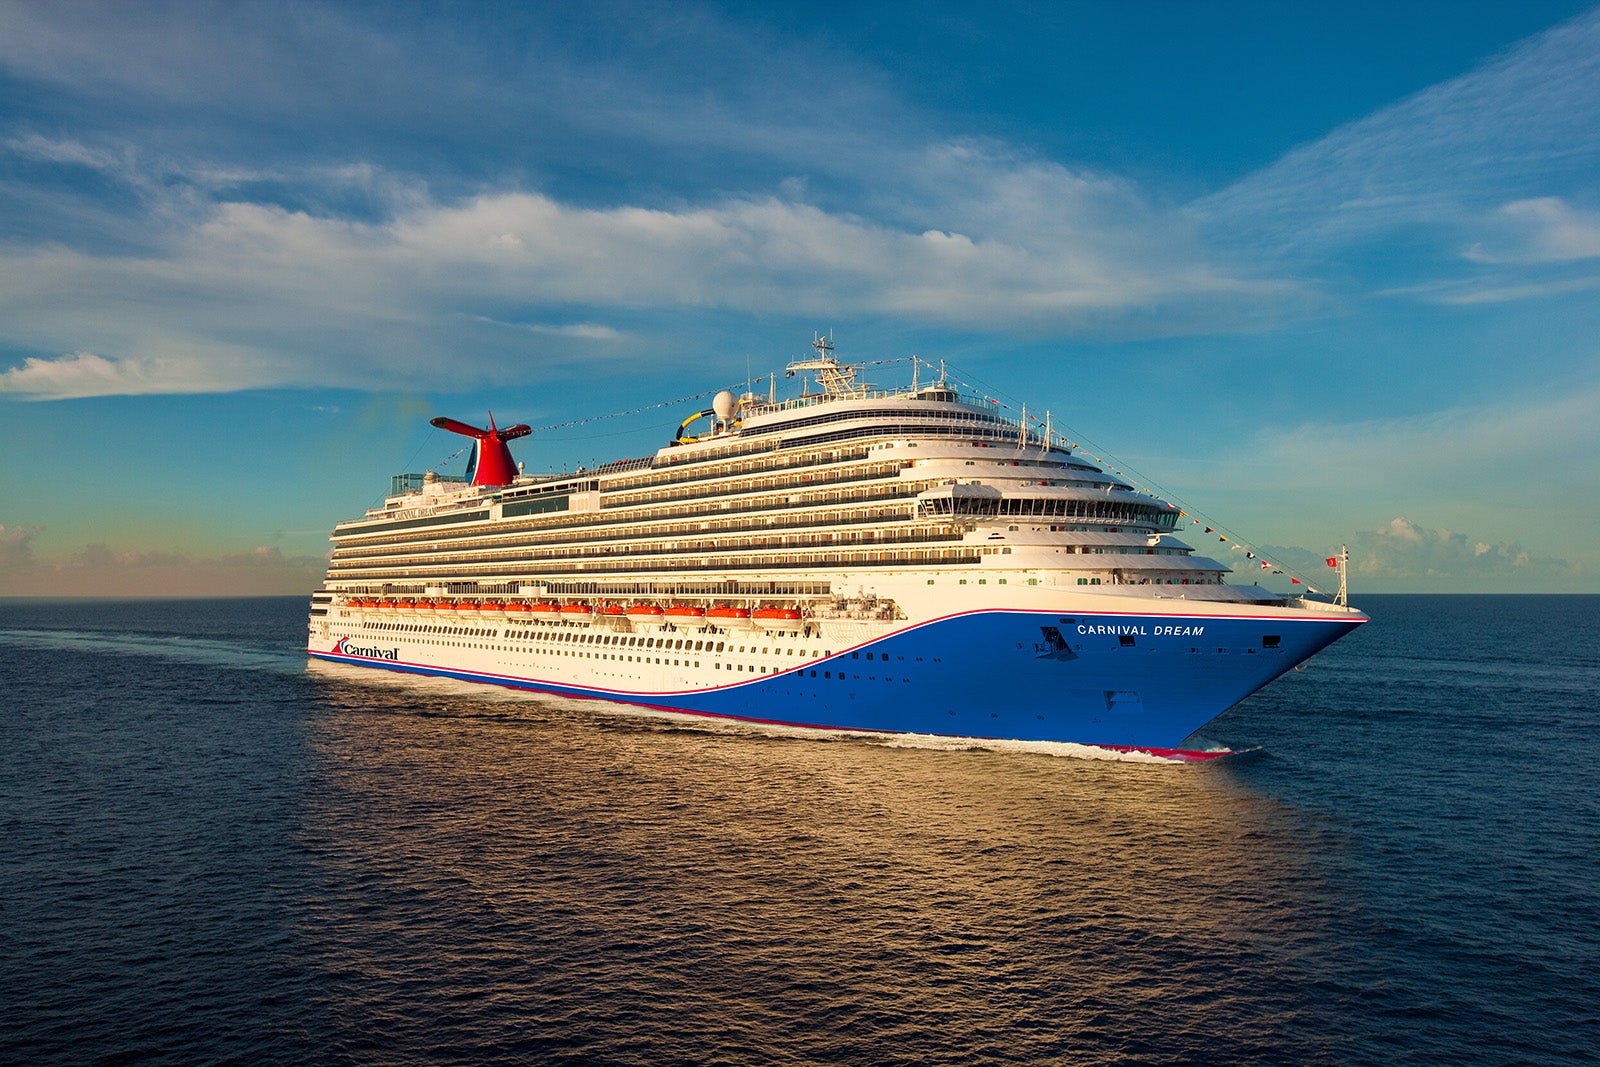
x,y
216,853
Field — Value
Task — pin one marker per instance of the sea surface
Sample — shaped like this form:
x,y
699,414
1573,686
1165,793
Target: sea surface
x,y
212,852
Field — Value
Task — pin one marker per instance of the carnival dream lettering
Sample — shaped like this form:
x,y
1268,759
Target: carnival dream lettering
x,y
373,653
1089,629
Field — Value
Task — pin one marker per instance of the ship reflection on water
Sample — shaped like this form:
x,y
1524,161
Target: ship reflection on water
x,y
550,877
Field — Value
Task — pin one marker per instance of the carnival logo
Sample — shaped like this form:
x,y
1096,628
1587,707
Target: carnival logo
x,y
344,648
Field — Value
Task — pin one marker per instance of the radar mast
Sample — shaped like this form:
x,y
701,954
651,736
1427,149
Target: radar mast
x,y
837,379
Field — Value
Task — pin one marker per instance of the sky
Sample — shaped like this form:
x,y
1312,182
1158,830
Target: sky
x,y
1322,274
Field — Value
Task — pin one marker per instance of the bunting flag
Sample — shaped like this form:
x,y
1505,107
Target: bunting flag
x,y
1294,581
1208,529
1265,565
1333,561
1221,538
1197,523
1251,555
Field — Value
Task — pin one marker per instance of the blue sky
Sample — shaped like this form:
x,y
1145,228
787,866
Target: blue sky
x,y
1323,274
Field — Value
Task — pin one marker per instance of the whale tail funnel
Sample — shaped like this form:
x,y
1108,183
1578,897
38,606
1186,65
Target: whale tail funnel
x,y
491,459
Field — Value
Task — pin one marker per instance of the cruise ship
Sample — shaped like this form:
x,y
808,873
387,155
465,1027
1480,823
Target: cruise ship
x,y
908,561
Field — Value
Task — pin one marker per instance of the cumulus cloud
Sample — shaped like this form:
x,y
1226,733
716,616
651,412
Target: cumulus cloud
x,y
289,271
1400,555
16,545
83,374
229,302
1404,552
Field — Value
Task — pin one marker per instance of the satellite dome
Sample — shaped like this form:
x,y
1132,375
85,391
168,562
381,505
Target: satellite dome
x,y
724,404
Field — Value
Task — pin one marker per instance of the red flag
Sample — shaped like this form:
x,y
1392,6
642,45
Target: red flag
x,y
1265,565
1294,581
1333,561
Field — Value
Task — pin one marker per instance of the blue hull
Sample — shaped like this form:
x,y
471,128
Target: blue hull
x,y
1121,681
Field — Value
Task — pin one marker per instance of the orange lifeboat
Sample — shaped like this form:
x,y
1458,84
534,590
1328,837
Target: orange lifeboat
x,y
645,611
544,609
517,607
611,610
493,606
577,612
733,614
777,618
385,604
685,611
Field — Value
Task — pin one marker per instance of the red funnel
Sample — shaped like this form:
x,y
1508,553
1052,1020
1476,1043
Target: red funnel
x,y
491,460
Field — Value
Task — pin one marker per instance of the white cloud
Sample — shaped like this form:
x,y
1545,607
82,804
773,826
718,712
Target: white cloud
x,y
82,374
1404,552
1441,157
54,150
1542,230
16,545
584,331
228,302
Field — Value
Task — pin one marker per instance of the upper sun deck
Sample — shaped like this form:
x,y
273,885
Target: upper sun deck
x,y
837,382
833,405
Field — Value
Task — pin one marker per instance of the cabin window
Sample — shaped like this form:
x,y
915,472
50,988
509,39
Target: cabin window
x,y
1269,641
